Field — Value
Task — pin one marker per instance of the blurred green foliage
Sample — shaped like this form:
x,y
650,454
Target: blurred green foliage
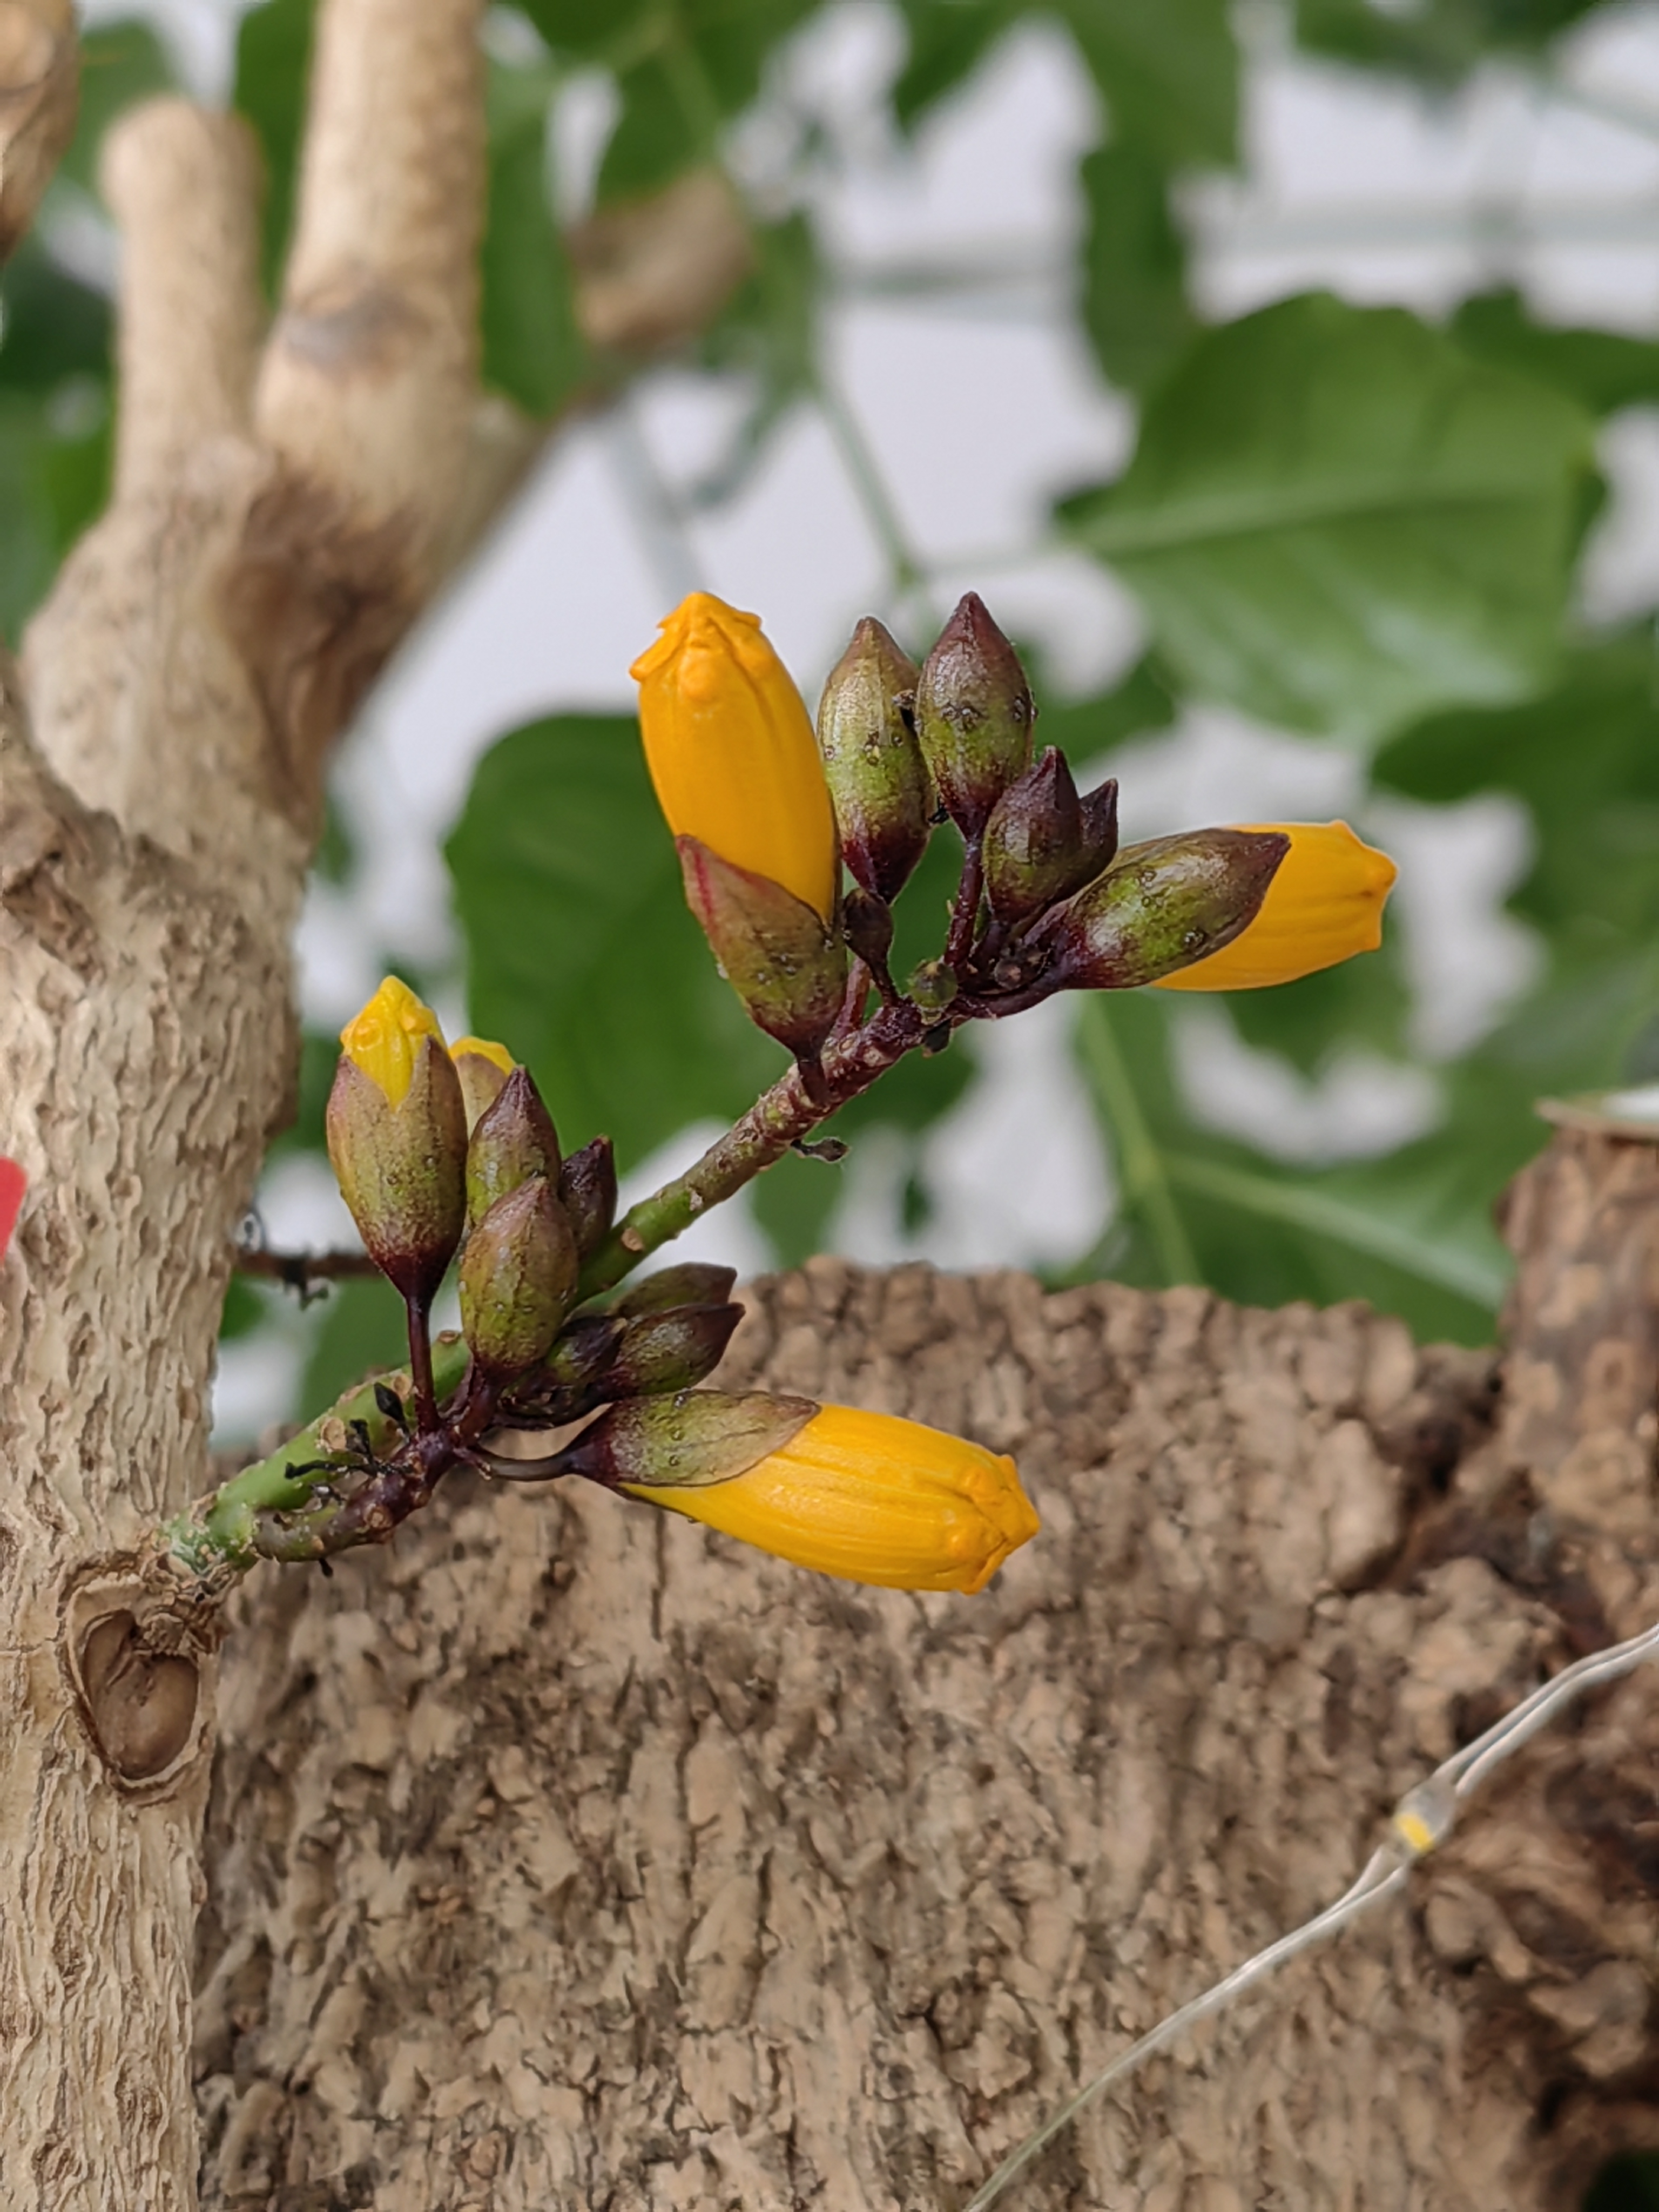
x,y
1342,521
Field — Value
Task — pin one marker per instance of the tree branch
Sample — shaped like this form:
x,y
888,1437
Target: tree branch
x,y
369,379
183,186
39,80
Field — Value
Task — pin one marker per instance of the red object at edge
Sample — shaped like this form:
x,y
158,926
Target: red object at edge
x,y
13,1184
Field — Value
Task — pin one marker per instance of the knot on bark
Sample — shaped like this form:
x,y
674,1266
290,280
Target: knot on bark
x,y
133,1646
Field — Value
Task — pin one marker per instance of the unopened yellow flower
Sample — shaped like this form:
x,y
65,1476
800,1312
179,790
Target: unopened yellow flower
x,y
1324,905
384,1041
396,1125
731,750
871,1499
482,1048
483,1067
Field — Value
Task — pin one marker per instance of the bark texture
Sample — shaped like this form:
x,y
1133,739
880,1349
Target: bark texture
x,y
159,764
566,1856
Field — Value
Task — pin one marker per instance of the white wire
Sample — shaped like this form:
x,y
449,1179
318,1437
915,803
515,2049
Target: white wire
x,y
1420,1822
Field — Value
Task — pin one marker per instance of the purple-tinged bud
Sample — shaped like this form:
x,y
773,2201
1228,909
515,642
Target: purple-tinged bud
x,y
1042,842
1162,906
573,1378
671,1351
513,1139
587,1192
694,1437
518,1282
974,715
687,1283
583,1350
866,923
783,962
396,1138
878,780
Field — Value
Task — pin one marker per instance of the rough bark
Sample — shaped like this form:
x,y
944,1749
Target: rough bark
x,y
203,646
569,1857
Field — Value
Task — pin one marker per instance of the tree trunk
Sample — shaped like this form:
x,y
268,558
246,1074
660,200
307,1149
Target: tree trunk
x,y
569,1856
281,513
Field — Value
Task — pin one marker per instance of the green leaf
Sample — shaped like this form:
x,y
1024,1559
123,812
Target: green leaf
x,y
948,40
320,1056
362,1328
532,349
688,71
54,326
589,30
1412,1233
1601,369
244,1310
581,956
1337,521
1169,73
1439,41
1359,1001
1585,759
54,479
1141,702
1134,295
793,1201
659,135
273,65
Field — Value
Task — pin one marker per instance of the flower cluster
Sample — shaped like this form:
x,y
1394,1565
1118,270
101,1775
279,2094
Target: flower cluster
x,y
1048,900
448,1155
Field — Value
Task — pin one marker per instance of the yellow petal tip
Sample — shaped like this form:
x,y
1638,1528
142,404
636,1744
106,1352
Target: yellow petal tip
x,y
483,1049
1323,906
382,1040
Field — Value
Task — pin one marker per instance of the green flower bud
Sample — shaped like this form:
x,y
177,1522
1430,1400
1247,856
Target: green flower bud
x,y
573,1378
1042,842
671,1351
514,1139
687,1283
587,1192
694,1437
933,987
779,957
872,764
1163,905
396,1126
974,715
518,1282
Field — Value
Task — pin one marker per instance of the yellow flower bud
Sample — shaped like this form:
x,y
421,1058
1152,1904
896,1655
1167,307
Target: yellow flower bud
x,y
731,750
1324,905
497,1054
384,1041
396,1125
483,1068
871,1499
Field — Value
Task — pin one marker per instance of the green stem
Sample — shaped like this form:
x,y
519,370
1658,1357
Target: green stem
x,y
1146,1187
220,1533
777,1120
